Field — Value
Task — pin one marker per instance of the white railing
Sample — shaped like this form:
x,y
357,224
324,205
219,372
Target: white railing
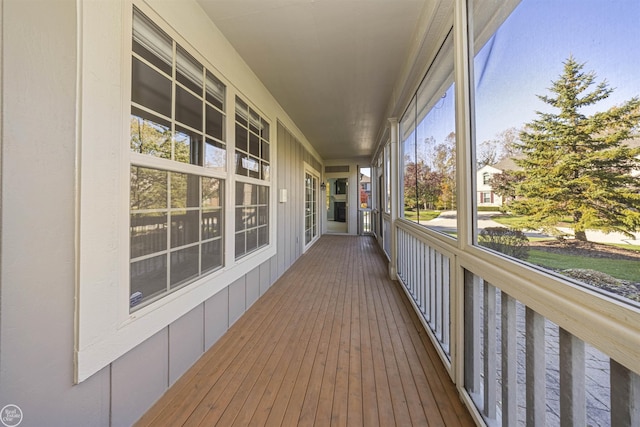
x,y
386,235
504,336
522,369
426,274
365,225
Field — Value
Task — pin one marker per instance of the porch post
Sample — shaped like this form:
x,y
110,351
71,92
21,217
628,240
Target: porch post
x,y
395,196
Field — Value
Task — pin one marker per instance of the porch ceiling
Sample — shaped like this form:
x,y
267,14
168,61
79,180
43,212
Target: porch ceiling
x,y
332,64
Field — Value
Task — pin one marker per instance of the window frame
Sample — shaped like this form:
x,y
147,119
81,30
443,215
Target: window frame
x,y
105,327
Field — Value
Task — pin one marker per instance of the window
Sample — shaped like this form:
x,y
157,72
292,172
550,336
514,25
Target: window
x,y
252,218
252,143
486,178
428,137
485,197
541,114
177,121
310,207
176,230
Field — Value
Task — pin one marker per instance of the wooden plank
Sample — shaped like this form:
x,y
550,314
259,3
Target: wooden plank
x,y
355,391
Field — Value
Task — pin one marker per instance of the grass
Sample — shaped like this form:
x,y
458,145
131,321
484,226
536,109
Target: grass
x,y
620,269
424,215
512,221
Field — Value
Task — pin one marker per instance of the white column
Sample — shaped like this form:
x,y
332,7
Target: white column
x,y
396,189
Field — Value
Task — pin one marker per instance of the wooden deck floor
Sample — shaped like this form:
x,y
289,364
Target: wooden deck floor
x,y
333,342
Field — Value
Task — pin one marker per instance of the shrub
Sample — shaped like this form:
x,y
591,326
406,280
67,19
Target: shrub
x,y
508,241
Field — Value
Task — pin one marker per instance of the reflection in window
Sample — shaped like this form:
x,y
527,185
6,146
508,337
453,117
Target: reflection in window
x,y
252,218
429,149
252,143
562,150
177,114
176,223
191,105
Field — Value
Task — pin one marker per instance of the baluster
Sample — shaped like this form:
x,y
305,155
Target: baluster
x,y
472,332
573,411
536,370
509,361
625,396
490,349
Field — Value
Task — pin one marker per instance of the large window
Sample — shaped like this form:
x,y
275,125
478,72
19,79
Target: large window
x,y
177,122
428,136
556,87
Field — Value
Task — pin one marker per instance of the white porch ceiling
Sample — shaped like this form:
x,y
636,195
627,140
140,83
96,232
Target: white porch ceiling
x,y
332,64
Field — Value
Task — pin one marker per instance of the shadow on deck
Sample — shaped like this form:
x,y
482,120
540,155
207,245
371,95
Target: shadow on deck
x,y
333,342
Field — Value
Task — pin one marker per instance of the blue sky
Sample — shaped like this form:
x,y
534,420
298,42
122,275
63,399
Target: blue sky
x,y
526,55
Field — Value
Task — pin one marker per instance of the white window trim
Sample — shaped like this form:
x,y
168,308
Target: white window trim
x,y
105,330
308,169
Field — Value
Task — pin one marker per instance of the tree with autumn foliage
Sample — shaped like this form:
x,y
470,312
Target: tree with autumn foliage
x,y
580,165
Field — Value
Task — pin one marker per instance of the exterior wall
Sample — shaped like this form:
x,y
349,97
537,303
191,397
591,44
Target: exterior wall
x,y
38,257
291,213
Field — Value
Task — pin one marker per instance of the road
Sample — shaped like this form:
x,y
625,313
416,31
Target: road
x,y
446,222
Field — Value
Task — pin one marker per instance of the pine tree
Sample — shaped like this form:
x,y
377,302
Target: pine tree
x,y
580,166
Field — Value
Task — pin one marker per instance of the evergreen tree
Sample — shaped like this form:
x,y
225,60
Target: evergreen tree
x,y
579,165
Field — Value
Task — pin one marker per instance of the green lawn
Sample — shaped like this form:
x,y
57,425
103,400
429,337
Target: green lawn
x,y
620,269
424,215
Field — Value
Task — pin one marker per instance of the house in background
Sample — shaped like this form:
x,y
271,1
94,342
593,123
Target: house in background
x,y
486,194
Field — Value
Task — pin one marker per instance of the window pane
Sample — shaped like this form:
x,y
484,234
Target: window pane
x,y
242,112
263,216
254,144
149,88
185,228
189,71
187,146
252,240
150,134
254,121
214,123
149,277
265,151
148,188
263,236
265,131
212,255
211,192
242,138
555,84
185,190
429,149
148,233
211,224
188,109
266,171
184,265
215,155
150,42
240,244
215,91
